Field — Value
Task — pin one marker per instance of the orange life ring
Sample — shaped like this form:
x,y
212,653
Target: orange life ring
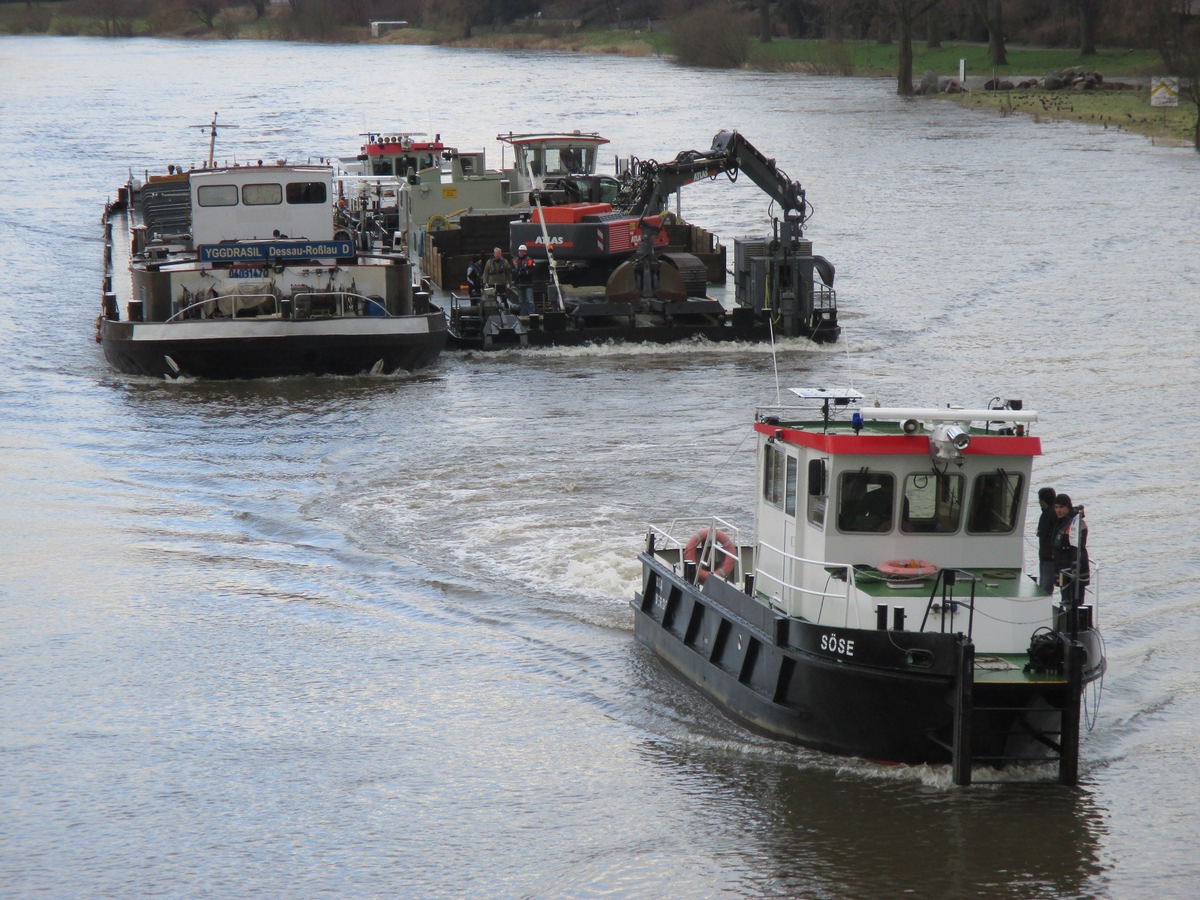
x,y
914,567
691,553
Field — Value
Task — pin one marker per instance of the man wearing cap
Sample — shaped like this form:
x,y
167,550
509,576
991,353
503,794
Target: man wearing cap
x,y
523,278
1070,559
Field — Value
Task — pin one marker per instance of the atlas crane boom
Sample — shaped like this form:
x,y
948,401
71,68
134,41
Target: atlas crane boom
x,y
651,186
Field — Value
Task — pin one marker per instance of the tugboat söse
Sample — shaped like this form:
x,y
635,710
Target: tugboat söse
x,y
881,609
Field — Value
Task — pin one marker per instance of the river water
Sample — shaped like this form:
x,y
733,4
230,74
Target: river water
x,y
371,636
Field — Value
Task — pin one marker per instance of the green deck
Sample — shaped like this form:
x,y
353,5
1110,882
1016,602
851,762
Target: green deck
x,y
1006,583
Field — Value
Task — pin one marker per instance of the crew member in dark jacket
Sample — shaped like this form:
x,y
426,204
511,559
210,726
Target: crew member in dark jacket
x,y
475,278
523,278
497,273
1070,551
1045,532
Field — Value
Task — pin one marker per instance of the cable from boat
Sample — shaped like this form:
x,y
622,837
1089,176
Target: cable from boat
x,y
1097,688
774,360
849,366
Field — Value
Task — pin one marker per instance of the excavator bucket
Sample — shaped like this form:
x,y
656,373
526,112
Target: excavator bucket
x,y
625,284
670,284
622,285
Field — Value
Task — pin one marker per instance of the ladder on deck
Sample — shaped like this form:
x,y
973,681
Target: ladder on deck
x,y
1063,741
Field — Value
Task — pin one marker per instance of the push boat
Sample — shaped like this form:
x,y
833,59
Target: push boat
x,y
612,262
255,271
881,609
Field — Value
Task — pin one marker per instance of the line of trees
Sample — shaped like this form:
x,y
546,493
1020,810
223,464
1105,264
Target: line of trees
x,y
1058,23
722,27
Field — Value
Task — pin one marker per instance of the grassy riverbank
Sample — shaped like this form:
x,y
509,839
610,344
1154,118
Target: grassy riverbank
x,y
1128,110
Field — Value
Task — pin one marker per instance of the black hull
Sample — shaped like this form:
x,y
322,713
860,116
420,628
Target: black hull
x,y
299,349
577,336
897,697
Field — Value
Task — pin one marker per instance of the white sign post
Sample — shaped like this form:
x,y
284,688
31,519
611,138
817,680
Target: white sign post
x,y
1164,92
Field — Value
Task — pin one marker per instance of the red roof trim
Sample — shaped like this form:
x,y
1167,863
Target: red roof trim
x,y
900,444
375,149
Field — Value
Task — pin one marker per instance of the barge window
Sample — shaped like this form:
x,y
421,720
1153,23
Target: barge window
x,y
865,501
932,503
262,194
306,192
995,502
217,195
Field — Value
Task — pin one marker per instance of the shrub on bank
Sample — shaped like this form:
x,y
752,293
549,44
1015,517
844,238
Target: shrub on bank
x,y
713,37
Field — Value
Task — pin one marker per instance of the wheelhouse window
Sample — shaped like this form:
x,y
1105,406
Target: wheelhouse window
x,y
932,503
217,195
301,192
262,194
773,475
865,501
780,474
995,502
816,492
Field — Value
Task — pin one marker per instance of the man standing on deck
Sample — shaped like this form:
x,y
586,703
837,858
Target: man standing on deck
x,y
523,276
497,273
475,278
1070,551
1045,534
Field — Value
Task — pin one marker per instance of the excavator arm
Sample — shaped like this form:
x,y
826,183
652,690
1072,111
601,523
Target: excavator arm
x,y
781,281
652,183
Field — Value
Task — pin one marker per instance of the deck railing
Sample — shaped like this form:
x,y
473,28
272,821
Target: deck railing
x,y
303,305
787,592
228,304
711,554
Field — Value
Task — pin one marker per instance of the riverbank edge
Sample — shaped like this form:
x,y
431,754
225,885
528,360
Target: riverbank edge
x,y
1121,110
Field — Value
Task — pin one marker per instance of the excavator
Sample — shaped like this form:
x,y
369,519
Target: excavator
x,y
777,280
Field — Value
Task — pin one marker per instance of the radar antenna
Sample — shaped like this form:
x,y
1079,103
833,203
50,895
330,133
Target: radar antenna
x,y
212,137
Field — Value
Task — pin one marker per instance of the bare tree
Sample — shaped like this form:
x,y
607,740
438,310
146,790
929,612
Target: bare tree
x,y
992,12
906,13
1175,30
933,30
115,16
206,10
1089,12
764,21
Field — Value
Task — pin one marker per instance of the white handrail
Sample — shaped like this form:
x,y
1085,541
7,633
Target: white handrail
x,y
791,582
215,300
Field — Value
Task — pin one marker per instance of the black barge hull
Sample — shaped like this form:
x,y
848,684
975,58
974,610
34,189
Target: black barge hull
x,y
245,349
896,697
559,330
